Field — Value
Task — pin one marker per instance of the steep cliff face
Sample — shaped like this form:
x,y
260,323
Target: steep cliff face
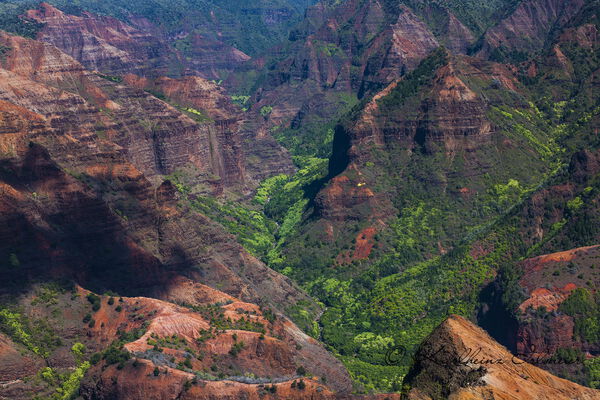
x,y
459,360
340,53
82,198
116,49
351,47
209,104
528,28
212,58
160,138
102,43
108,204
108,45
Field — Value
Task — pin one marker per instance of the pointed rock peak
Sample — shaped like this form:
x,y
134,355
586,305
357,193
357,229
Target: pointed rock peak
x,y
49,11
460,360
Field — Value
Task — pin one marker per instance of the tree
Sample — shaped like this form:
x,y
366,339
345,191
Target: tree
x,y
78,350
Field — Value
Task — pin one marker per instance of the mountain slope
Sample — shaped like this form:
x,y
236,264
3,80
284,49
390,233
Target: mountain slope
x,y
249,29
407,227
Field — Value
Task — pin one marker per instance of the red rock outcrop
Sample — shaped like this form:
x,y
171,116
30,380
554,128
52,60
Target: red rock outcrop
x,y
460,361
548,281
446,118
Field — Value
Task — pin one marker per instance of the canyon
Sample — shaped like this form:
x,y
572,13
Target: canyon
x,y
206,200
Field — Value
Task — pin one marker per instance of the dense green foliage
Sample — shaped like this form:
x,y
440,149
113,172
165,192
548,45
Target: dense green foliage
x,y
421,76
35,334
10,20
585,309
424,265
313,136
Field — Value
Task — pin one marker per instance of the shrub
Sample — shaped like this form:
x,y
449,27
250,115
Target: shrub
x,y
116,354
236,348
266,110
95,301
95,358
78,350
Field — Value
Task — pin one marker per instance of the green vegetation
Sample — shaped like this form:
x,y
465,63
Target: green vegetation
x,y
477,15
13,261
314,136
263,226
416,79
12,23
236,348
66,384
327,49
585,310
593,369
47,294
95,300
112,78
253,230
265,111
35,334
69,389
241,100
411,282
198,115
216,316
78,350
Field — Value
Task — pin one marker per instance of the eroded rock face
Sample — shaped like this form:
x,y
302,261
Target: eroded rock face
x,y
213,58
528,27
84,191
452,115
159,138
245,348
74,205
459,360
341,51
102,43
411,41
548,281
83,196
108,45
223,118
